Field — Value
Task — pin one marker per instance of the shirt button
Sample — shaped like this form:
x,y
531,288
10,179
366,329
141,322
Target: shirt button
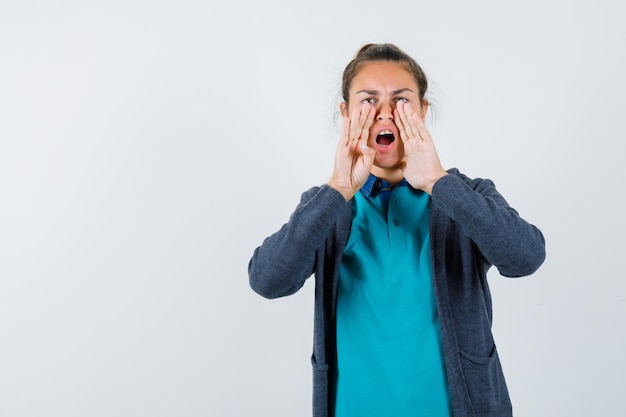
x,y
396,222
377,184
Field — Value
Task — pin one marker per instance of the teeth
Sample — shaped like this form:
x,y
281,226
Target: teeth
x,y
386,132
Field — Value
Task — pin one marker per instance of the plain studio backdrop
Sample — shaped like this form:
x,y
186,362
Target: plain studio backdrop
x,y
147,147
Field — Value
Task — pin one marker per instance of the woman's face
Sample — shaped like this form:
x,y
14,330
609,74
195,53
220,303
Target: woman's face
x,y
381,84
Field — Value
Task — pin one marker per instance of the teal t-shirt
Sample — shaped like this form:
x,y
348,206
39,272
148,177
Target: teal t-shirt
x,y
389,354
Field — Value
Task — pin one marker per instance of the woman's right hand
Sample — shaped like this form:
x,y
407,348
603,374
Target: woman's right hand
x,y
354,159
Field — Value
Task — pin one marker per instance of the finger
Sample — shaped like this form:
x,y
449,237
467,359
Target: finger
x,y
368,156
355,125
362,123
366,113
367,124
421,128
345,132
405,112
400,124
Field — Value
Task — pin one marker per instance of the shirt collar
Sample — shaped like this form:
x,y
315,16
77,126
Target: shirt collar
x,y
375,185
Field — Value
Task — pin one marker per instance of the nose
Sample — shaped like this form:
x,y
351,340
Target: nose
x,y
385,112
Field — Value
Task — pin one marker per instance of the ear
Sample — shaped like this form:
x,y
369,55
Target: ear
x,y
343,108
425,105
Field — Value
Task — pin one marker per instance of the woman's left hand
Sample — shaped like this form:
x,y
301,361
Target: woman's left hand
x,y
421,166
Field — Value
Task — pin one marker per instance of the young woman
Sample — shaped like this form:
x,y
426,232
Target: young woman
x,y
400,250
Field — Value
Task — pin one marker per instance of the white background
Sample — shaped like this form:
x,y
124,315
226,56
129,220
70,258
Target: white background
x,y
147,147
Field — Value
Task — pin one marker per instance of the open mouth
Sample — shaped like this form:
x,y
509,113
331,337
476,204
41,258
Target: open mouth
x,y
385,138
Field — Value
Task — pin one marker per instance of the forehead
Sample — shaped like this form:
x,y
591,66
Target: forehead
x,y
383,76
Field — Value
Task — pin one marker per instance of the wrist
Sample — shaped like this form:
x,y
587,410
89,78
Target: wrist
x,y
429,187
346,192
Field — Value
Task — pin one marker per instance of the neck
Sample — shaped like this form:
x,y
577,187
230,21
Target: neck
x,y
392,175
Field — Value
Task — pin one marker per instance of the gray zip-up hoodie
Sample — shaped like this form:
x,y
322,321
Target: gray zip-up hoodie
x,y
472,227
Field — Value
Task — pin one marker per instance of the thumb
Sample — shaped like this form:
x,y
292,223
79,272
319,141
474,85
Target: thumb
x,y
368,154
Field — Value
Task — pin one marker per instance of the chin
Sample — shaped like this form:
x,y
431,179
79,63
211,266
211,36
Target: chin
x,y
388,162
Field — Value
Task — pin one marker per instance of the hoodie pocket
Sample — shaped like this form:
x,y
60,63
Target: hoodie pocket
x,y
485,382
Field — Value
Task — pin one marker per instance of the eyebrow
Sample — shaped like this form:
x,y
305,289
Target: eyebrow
x,y
375,92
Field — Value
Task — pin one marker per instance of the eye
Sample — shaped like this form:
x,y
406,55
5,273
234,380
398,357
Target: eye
x,y
369,100
402,99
